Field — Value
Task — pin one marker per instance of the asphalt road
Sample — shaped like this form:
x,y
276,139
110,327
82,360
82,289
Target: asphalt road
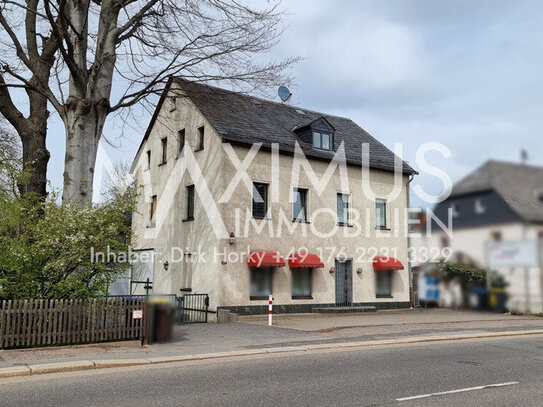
x,y
362,377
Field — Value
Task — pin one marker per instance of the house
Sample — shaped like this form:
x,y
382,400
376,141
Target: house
x,y
499,201
244,198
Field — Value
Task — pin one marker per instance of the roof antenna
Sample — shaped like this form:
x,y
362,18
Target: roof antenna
x,y
284,93
523,156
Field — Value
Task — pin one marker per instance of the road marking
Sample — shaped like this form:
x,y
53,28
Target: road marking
x,y
442,393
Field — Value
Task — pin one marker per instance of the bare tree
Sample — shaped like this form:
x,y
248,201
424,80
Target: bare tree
x,y
27,55
10,163
113,54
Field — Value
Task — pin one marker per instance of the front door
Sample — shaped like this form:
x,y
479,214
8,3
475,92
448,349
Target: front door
x,y
344,282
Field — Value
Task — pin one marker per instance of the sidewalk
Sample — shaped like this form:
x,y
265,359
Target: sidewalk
x,y
396,321
290,332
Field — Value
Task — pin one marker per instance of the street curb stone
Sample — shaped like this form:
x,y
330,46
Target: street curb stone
x,y
14,371
61,367
172,359
104,363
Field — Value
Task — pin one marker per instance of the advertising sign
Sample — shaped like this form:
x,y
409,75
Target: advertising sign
x,y
520,253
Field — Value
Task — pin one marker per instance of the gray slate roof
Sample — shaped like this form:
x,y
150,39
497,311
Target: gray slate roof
x,y
519,185
244,119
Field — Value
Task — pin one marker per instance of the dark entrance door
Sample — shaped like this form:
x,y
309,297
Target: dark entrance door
x,y
344,282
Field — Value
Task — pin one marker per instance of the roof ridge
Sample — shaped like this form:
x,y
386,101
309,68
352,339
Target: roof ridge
x,y
246,95
513,164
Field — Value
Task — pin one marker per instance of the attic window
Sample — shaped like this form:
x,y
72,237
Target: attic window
x,y
322,141
455,208
480,207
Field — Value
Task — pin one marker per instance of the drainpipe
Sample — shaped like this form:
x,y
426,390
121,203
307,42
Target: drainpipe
x,y
411,292
526,271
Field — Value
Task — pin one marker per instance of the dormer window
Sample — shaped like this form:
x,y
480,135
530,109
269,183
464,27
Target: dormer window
x,y
322,141
480,207
538,193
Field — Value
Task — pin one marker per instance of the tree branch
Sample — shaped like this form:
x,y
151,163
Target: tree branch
x,y
8,108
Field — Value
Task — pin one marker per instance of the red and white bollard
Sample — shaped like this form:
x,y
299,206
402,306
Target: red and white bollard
x,y
270,310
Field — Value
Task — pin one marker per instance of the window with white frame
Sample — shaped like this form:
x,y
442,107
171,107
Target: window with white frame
x,y
299,205
322,141
342,209
260,200
381,213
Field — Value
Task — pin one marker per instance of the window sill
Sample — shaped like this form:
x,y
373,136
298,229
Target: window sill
x,y
300,221
161,164
188,219
302,297
261,217
347,225
382,228
198,149
186,290
259,297
383,296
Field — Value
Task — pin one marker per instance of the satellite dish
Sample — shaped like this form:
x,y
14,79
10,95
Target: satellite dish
x,y
284,93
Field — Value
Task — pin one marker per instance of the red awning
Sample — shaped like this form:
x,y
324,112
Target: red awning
x,y
386,263
305,260
265,259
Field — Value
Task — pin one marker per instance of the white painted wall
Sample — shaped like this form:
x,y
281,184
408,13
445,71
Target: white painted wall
x,y
228,284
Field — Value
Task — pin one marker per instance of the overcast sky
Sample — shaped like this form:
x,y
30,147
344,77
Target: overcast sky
x,y
467,74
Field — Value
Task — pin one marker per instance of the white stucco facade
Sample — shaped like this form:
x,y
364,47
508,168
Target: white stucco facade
x,y
470,244
222,270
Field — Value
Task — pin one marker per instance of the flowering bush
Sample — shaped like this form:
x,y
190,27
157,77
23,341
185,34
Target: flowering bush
x,y
45,247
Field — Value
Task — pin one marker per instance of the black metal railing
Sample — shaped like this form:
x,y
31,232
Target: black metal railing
x,y
192,308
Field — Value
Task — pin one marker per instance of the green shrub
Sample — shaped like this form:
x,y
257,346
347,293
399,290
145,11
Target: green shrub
x,y
45,247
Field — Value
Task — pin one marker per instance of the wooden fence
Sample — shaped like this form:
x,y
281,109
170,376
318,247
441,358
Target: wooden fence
x,y
26,323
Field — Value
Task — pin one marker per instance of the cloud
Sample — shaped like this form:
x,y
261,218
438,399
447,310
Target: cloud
x,y
462,72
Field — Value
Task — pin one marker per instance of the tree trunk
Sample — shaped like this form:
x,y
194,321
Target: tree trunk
x,y
84,124
35,159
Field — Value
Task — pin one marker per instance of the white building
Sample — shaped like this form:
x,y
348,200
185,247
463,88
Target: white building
x,y
499,201
221,206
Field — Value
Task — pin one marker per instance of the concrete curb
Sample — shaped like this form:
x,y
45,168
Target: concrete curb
x,y
14,371
105,363
61,367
